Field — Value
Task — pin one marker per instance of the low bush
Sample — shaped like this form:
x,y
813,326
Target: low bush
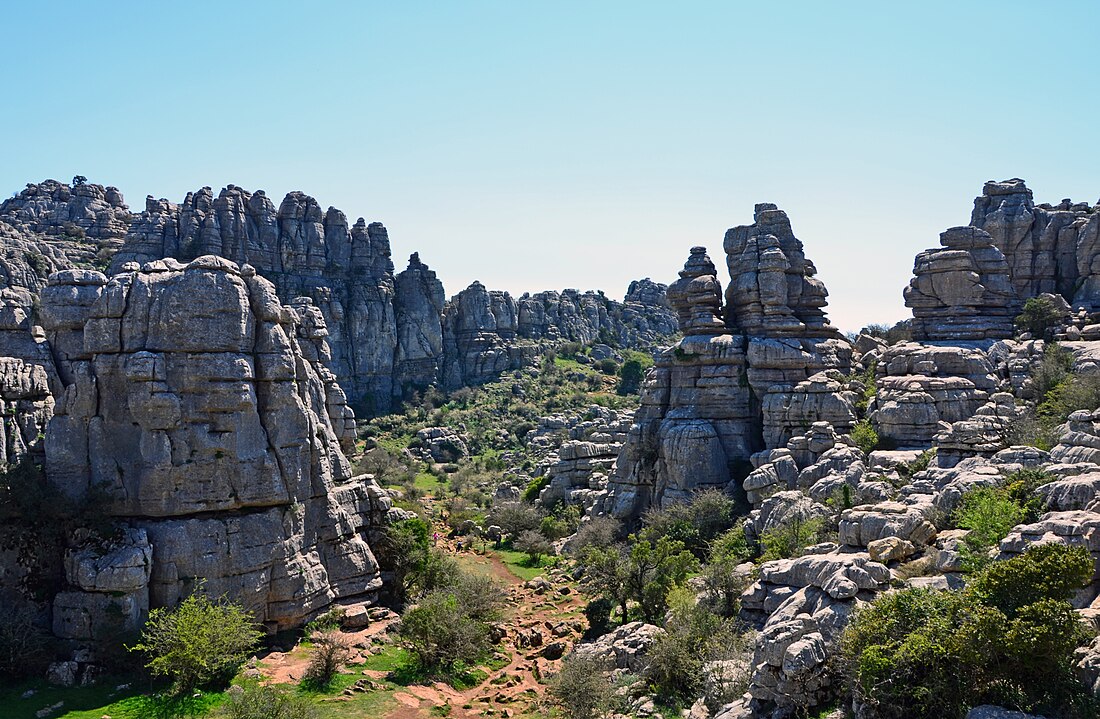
x,y
583,689
200,642
1008,640
534,545
788,540
449,624
695,523
331,651
865,436
693,637
1040,317
265,701
989,514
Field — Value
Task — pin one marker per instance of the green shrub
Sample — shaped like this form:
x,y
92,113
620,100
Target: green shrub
x,y
331,651
608,366
534,545
598,613
693,637
789,539
405,550
596,532
199,642
583,689
865,436
1007,640
531,491
695,523
989,514
631,375
514,518
265,701
448,627
1039,317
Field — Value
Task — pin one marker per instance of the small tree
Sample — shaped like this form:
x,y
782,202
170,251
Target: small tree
x,y
440,634
631,375
865,436
989,515
583,688
406,550
331,651
534,545
198,642
1039,317
514,517
265,701
788,540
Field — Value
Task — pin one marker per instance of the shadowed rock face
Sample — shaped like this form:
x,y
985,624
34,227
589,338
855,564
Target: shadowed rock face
x,y
734,386
202,405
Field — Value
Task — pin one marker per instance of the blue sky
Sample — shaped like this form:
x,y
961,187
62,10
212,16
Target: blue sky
x,y
536,145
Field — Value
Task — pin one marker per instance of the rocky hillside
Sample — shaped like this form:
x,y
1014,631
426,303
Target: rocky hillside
x,y
766,518
389,333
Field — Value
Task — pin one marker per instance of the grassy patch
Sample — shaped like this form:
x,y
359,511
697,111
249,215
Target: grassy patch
x,y
518,564
101,699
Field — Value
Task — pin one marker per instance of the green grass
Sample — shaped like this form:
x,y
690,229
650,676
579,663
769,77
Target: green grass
x,y
388,660
517,564
101,699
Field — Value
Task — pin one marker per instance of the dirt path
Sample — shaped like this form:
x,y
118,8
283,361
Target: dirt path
x,y
540,620
536,616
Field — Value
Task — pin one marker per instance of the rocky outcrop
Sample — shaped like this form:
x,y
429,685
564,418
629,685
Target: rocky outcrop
x,y
84,223
643,320
773,291
962,290
479,329
418,312
305,251
747,376
1049,248
923,389
202,405
982,435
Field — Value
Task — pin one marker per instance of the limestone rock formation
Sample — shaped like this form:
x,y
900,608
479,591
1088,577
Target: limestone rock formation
x,y
962,291
1049,248
773,291
730,389
418,311
697,296
304,251
84,222
922,389
201,404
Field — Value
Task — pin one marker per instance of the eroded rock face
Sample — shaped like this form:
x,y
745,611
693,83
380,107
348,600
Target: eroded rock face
x,y
1049,248
773,291
305,251
84,223
418,309
202,404
732,388
923,389
962,291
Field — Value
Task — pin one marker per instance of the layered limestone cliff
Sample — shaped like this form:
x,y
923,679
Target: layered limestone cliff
x,y
386,332
748,375
202,406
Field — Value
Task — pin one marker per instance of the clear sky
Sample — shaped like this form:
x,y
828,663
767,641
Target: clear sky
x,y
536,145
